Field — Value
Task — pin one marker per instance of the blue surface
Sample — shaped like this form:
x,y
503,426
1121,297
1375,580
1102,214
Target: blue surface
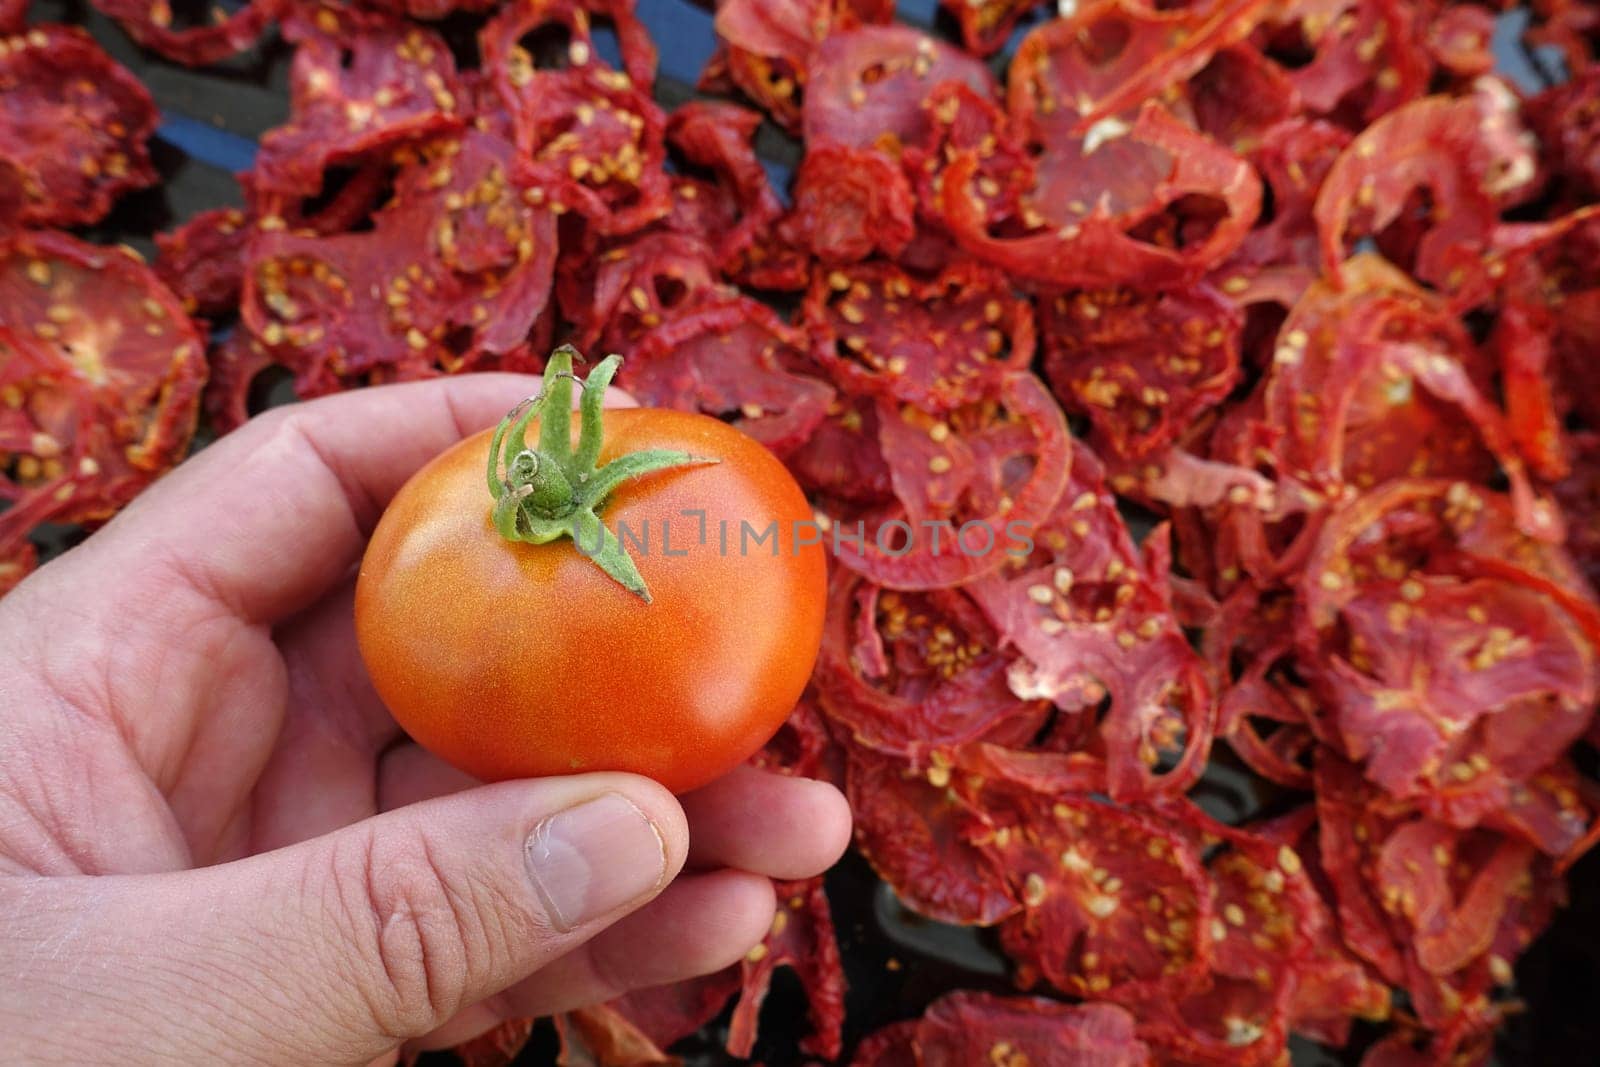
x,y
205,142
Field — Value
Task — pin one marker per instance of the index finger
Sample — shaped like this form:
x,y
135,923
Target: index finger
x,y
267,519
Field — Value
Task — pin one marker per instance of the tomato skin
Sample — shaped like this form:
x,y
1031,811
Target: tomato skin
x,y
513,660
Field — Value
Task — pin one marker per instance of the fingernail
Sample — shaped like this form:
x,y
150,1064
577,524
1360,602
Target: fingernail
x,y
592,859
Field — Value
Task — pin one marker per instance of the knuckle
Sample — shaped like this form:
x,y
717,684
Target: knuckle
x,y
416,936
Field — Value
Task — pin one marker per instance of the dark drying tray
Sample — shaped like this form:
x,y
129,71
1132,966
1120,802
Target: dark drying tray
x,y
896,962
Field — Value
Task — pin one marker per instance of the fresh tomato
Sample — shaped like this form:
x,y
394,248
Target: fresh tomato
x,y
650,600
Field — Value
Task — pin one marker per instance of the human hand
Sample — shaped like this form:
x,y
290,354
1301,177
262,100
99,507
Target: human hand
x,y
215,844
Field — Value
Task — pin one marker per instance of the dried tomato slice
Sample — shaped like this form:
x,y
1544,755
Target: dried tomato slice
x,y
100,379
1430,906
986,25
1459,38
203,260
1579,497
938,344
841,459
769,46
963,121
456,270
1467,154
866,87
1294,157
1114,902
717,136
495,1048
891,1046
1240,95
1496,676
17,560
726,356
848,204
73,127
360,83
668,1013
1564,118
911,673
965,1027
1364,56
928,843
637,286
590,138
1372,383
1142,367
970,484
1094,625
1267,718
802,939
235,362
604,1035
1107,56
514,68
1151,203
1262,903
150,23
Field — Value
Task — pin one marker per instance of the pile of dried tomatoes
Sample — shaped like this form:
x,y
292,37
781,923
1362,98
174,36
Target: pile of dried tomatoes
x,y
1303,285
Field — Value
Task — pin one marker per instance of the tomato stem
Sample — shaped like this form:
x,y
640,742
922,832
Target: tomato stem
x,y
546,492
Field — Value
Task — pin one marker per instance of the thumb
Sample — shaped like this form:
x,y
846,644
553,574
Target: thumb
x,y
337,949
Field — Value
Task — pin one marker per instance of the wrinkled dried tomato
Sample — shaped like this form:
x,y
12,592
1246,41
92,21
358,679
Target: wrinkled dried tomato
x,y
970,484
1113,902
1146,203
768,47
150,23
938,344
1495,677
1093,623
203,260
100,379
1143,368
866,87
802,939
717,137
730,356
928,842
848,204
360,83
73,127
1467,156
968,1027
912,673
455,272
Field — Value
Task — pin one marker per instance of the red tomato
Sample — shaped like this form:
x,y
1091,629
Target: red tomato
x,y
510,659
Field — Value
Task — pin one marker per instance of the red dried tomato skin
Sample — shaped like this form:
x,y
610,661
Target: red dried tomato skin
x,y
848,204
202,260
1169,163
971,462
910,675
937,343
101,380
73,129
150,25
360,84
802,938
728,354
865,87
1143,368
969,1027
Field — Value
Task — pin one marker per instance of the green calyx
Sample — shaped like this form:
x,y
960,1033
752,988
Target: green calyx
x,y
551,490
